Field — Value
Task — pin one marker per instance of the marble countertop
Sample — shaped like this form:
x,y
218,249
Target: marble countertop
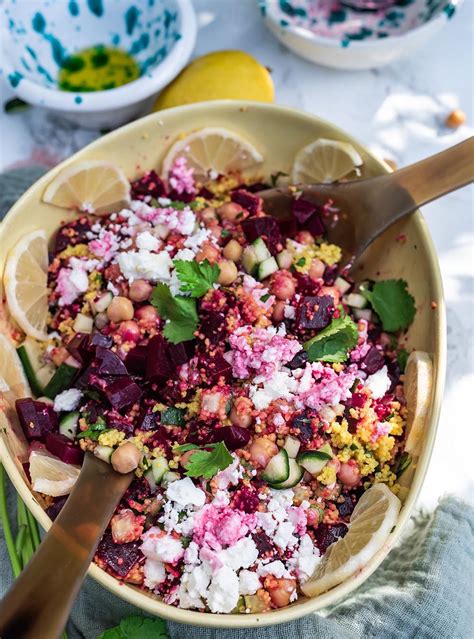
x,y
399,112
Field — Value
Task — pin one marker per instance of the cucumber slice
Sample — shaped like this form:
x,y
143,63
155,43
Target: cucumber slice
x,y
284,259
83,324
61,380
292,446
159,467
315,460
363,313
37,372
294,477
267,267
261,251
278,468
342,285
101,305
249,260
253,603
104,453
355,300
169,477
150,479
68,424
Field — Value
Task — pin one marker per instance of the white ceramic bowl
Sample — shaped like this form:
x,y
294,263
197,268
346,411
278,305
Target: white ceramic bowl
x,y
37,35
354,40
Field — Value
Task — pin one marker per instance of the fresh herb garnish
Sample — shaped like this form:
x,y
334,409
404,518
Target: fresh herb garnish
x,y
301,261
137,628
183,448
393,303
225,233
274,177
172,417
265,297
196,277
205,463
404,463
94,430
180,311
334,342
402,358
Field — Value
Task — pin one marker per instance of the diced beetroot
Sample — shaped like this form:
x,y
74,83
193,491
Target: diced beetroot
x,y
213,326
373,361
148,420
98,339
62,447
233,436
330,274
327,534
78,346
302,210
150,185
264,544
36,418
215,367
298,361
121,425
158,366
87,376
56,507
181,353
136,494
346,507
136,360
205,193
315,225
246,499
252,203
301,427
160,437
109,362
314,312
288,226
181,197
120,558
122,392
265,227
255,187
73,233
357,400
305,285
394,372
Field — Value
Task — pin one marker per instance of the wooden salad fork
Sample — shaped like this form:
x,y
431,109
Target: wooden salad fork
x,y
363,209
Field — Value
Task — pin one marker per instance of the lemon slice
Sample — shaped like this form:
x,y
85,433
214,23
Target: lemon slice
x,y
418,386
221,75
94,186
324,161
12,376
25,281
50,475
213,150
373,518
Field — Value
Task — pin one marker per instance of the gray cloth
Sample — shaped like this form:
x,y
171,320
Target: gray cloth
x,y
423,590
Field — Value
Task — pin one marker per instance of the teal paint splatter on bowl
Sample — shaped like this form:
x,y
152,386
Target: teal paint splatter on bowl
x,y
96,7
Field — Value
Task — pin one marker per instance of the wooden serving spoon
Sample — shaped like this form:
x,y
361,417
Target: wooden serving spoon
x,y
37,605
365,208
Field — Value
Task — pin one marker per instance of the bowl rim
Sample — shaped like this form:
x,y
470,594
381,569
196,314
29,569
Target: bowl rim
x,y
140,89
312,38
153,605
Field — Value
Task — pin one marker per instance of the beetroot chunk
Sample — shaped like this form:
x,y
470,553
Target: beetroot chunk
x,y
119,558
109,362
122,392
233,436
158,366
302,210
36,418
213,368
326,534
78,347
148,420
136,360
252,203
150,185
373,361
314,313
62,447
181,353
265,227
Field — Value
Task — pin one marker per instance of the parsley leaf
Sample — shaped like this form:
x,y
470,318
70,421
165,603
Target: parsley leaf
x,y
180,311
183,448
94,430
172,416
137,628
205,463
196,277
334,342
393,303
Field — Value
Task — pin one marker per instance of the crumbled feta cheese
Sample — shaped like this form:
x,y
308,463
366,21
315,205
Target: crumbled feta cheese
x,y
154,572
67,400
249,582
193,587
289,312
197,239
230,475
143,264
266,522
241,555
280,386
283,536
161,547
275,568
184,254
379,383
184,493
223,591
147,241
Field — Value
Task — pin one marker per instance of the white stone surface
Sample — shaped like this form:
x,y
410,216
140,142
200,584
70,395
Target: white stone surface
x,y
398,111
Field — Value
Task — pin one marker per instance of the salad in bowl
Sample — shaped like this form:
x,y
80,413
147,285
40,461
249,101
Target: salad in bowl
x,y
174,329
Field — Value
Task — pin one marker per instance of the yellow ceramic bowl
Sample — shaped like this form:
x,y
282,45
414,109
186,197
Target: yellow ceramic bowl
x,y
278,133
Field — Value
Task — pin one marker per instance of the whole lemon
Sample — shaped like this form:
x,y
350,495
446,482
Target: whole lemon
x,y
220,75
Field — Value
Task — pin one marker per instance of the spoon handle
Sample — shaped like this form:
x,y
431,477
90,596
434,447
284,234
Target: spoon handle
x,y
38,603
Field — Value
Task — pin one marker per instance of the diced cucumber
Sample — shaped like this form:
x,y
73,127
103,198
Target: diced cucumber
x,y
315,460
62,379
101,305
37,372
267,267
363,313
261,251
68,424
104,453
253,603
169,477
295,476
292,446
342,285
277,469
284,259
249,260
355,300
150,479
83,324
159,467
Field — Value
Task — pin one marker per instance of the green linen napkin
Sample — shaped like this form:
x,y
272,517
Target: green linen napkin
x,y
423,590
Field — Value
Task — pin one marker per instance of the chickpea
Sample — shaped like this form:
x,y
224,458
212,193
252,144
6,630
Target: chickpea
x,y
278,314
262,450
216,231
304,237
232,251
147,314
240,418
208,214
455,119
126,458
280,591
228,272
349,474
208,252
129,331
230,211
120,309
112,272
316,269
140,290
283,286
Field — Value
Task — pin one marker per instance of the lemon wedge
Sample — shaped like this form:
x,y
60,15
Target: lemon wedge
x,y
324,161
213,150
12,376
50,475
374,516
93,186
221,75
26,281
418,386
